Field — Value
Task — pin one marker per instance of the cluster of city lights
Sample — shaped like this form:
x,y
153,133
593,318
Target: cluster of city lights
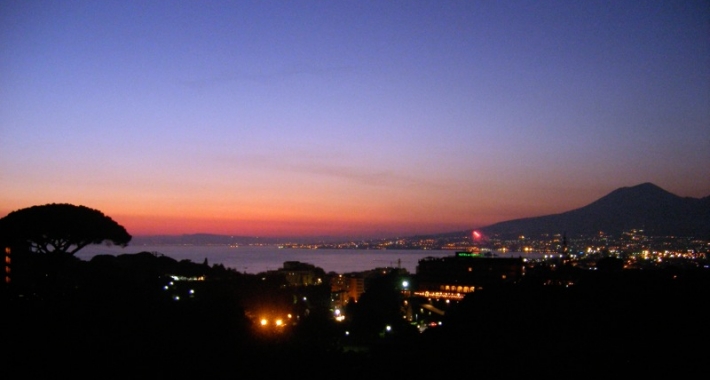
x,y
176,297
274,322
445,295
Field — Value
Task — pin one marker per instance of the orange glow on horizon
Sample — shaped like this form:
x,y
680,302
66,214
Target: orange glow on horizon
x,y
169,225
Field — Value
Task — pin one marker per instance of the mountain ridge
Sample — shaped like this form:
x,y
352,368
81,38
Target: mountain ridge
x,y
645,207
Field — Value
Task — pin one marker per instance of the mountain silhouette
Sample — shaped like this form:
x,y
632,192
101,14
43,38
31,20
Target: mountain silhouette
x,y
643,207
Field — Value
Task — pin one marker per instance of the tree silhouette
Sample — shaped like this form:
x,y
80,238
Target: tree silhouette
x,y
379,305
60,228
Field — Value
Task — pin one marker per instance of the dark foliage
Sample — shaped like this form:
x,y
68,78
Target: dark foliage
x,y
118,317
626,323
60,229
379,305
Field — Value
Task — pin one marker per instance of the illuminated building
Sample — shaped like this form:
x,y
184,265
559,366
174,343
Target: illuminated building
x,y
301,274
454,276
345,288
443,281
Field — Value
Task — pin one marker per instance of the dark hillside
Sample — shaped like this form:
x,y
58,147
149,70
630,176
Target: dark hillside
x,y
645,206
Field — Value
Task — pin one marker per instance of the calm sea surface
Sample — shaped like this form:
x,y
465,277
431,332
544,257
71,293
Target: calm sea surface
x,y
256,259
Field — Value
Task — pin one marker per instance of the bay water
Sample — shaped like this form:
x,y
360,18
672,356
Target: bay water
x,y
258,259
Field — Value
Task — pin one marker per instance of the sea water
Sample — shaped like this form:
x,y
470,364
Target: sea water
x,y
258,259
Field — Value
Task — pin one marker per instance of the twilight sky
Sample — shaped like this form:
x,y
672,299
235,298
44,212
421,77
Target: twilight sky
x,y
348,118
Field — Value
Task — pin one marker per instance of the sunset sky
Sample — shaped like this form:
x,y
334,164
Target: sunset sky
x,y
348,118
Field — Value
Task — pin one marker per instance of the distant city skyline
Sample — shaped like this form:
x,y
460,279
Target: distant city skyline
x,y
348,118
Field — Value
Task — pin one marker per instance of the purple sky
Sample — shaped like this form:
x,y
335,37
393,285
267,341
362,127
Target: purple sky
x,y
349,118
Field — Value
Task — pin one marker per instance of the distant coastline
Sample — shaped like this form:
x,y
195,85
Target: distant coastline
x,y
257,259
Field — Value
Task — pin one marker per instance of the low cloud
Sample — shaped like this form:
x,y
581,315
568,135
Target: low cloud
x,y
325,165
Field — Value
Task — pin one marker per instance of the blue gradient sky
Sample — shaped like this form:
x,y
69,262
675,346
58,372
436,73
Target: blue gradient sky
x,y
348,118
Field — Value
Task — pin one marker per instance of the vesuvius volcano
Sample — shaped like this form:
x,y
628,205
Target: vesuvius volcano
x,y
645,207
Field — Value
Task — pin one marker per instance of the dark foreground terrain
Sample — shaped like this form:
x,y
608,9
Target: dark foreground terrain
x,y
109,319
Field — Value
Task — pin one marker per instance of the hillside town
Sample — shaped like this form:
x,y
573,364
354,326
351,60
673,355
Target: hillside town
x,y
564,304
631,243
154,312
